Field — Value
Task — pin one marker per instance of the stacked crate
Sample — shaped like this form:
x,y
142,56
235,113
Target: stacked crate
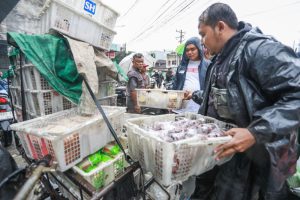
x,y
40,98
107,86
90,21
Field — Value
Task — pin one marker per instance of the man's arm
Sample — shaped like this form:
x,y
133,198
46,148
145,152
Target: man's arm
x,y
134,100
133,95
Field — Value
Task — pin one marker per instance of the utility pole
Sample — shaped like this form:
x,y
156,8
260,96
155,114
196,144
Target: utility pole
x,y
181,36
124,47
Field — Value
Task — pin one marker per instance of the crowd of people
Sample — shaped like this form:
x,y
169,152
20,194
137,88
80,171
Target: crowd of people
x,y
239,75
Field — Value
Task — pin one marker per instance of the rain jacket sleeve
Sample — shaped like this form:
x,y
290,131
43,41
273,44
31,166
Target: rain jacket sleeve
x,y
276,70
197,96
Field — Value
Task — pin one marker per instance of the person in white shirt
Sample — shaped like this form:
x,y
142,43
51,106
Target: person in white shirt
x,y
190,74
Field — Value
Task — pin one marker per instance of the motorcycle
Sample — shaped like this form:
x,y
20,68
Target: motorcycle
x,y
168,85
152,83
121,98
6,117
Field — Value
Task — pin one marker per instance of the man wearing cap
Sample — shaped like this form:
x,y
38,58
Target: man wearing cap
x,y
135,80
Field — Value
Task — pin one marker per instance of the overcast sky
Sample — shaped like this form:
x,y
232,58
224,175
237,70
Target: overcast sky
x,y
151,24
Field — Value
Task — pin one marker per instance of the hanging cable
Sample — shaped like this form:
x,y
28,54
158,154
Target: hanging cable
x,y
163,21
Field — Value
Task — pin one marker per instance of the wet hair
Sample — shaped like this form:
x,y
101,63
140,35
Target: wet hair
x,y
137,55
219,12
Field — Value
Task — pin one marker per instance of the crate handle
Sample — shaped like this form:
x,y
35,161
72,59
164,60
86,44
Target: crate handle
x,y
165,92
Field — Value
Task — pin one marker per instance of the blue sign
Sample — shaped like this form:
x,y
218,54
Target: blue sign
x,y
90,6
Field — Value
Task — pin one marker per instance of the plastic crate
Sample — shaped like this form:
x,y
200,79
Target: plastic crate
x,y
105,173
164,99
106,88
41,102
96,10
32,78
65,18
67,136
40,98
109,100
176,161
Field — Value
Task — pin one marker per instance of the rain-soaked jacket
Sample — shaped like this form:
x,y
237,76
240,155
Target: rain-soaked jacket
x,y
263,96
179,79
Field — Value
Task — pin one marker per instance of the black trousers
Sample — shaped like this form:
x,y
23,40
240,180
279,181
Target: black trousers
x,y
238,179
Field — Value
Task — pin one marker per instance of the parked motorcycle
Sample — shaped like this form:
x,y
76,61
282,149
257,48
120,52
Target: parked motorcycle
x,y
152,83
168,85
6,117
121,98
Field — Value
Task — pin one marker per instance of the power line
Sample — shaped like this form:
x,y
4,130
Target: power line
x,y
165,20
152,25
182,8
168,18
164,12
193,10
180,11
270,10
130,8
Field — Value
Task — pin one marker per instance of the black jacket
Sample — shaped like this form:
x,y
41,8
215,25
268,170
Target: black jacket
x,y
263,96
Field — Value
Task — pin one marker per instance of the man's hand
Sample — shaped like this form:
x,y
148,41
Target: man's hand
x,y
137,109
187,95
241,140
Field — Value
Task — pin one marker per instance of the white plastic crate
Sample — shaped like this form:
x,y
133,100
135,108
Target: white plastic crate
x,y
67,136
33,80
64,18
164,99
96,10
106,88
40,98
176,161
41,102
105,173
109,100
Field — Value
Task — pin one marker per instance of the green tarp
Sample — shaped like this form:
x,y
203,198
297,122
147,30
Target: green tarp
x,y
53,59
120,71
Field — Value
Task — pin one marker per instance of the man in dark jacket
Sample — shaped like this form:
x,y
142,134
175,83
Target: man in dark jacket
x,y
158,78
135,80
254,82
169,75
191,72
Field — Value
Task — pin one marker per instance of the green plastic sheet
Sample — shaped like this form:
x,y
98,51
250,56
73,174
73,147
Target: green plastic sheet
x,y
52,57
120,71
